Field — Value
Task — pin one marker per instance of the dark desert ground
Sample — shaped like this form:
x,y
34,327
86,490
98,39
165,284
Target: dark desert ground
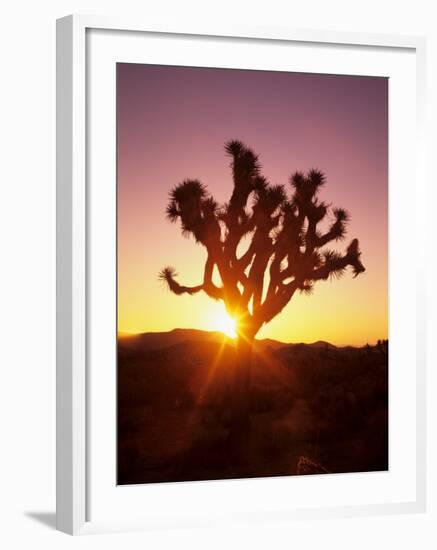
x,y
314,408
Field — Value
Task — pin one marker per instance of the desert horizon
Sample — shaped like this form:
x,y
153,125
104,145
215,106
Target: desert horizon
x,y
222,335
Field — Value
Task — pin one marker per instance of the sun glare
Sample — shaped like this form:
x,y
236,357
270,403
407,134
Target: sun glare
x,y
223,322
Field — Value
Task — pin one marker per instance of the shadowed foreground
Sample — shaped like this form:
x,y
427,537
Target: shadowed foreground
x,y
313,409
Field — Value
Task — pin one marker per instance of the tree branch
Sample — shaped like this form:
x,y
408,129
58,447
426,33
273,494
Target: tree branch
x,y
336,264
337,230
168,275
275,303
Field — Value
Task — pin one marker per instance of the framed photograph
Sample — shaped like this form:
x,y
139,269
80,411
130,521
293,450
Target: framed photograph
x,y
240,275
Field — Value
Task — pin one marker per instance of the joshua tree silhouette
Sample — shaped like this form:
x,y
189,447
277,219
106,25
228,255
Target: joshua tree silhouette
x,y
286,252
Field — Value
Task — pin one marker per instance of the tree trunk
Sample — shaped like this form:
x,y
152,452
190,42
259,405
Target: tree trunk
x,y
240,419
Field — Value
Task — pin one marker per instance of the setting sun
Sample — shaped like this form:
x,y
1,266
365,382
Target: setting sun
x,y
221,321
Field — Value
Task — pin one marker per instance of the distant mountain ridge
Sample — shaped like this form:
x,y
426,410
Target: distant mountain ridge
x,y
160,340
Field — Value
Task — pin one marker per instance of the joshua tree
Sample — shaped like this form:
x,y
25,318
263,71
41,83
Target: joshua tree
x,y
285,251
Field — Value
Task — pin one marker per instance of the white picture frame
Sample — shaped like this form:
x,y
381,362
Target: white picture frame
x,y
74,463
